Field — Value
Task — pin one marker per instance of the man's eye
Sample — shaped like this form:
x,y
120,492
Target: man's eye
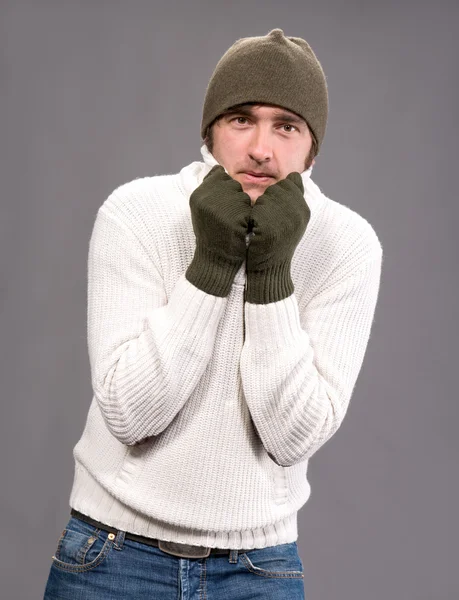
x,y
238,119
291,127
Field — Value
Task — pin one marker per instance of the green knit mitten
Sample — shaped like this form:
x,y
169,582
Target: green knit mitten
x,y
220,212
279,219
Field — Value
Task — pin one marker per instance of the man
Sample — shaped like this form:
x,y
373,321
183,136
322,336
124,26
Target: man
x,y
229,310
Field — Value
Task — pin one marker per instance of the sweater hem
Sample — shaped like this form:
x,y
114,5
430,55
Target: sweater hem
x,y
91,499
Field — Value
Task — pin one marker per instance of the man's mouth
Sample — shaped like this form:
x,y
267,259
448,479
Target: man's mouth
x,y
259,177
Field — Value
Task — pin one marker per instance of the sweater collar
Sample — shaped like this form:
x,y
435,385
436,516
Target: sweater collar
x,y
193,174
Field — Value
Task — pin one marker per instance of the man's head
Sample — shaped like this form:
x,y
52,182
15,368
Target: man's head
x,y
265,109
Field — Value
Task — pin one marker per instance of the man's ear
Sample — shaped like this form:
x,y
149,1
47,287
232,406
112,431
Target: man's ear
x,y
313,162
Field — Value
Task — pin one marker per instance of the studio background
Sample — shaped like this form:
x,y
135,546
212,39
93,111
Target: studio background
x,y
96,93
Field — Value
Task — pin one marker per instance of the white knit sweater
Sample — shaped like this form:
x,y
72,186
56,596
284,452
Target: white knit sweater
x,y
219,394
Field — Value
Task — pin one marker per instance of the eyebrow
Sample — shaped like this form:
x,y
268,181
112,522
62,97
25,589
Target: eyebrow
x,y
280,115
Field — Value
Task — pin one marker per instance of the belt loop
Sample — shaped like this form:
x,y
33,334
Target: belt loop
x,y
119,540
233,556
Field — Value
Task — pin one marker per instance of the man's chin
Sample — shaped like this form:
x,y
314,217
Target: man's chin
x,y
255,192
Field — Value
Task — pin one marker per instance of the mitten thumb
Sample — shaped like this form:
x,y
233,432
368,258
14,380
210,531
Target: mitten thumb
x,y
297,180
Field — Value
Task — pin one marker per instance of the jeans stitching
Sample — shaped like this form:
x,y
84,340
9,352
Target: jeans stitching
x,y
263,573
82,552
202,581
83,568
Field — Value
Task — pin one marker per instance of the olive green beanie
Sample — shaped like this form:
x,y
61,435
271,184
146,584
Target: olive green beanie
x,y
270,69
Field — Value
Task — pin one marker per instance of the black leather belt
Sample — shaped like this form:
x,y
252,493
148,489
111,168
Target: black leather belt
x,y
174,548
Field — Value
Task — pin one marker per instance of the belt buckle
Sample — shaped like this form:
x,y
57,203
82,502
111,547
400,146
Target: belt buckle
x,y
184,550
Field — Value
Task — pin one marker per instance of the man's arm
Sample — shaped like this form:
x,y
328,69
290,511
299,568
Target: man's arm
x,y
299,371
147,353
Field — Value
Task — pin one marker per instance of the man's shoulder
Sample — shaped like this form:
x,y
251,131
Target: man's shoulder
x,y
143,196
144,189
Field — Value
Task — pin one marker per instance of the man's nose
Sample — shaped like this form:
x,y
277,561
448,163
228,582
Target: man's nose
x,y
260,145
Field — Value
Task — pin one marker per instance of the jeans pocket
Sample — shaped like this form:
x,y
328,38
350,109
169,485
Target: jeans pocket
x,y
82,547
281,561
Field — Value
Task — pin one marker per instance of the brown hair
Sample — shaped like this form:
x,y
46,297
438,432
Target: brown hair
x,y
209,138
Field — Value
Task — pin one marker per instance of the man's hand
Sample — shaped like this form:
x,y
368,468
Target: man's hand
x,y
220,212
278,220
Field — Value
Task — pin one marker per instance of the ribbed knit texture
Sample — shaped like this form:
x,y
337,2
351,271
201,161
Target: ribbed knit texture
x,y
210,272
192,391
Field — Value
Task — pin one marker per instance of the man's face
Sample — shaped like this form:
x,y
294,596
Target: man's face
x,y
261,145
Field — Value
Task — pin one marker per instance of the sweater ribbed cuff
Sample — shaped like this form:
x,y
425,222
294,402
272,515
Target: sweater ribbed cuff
x,y
211,273
270,285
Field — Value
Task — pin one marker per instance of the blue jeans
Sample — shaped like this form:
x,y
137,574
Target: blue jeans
x,y
91,564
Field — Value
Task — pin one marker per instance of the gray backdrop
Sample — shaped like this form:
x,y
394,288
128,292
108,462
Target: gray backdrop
x,y
96,93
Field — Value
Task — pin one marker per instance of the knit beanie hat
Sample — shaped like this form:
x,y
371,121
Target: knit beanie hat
x,y
270,69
